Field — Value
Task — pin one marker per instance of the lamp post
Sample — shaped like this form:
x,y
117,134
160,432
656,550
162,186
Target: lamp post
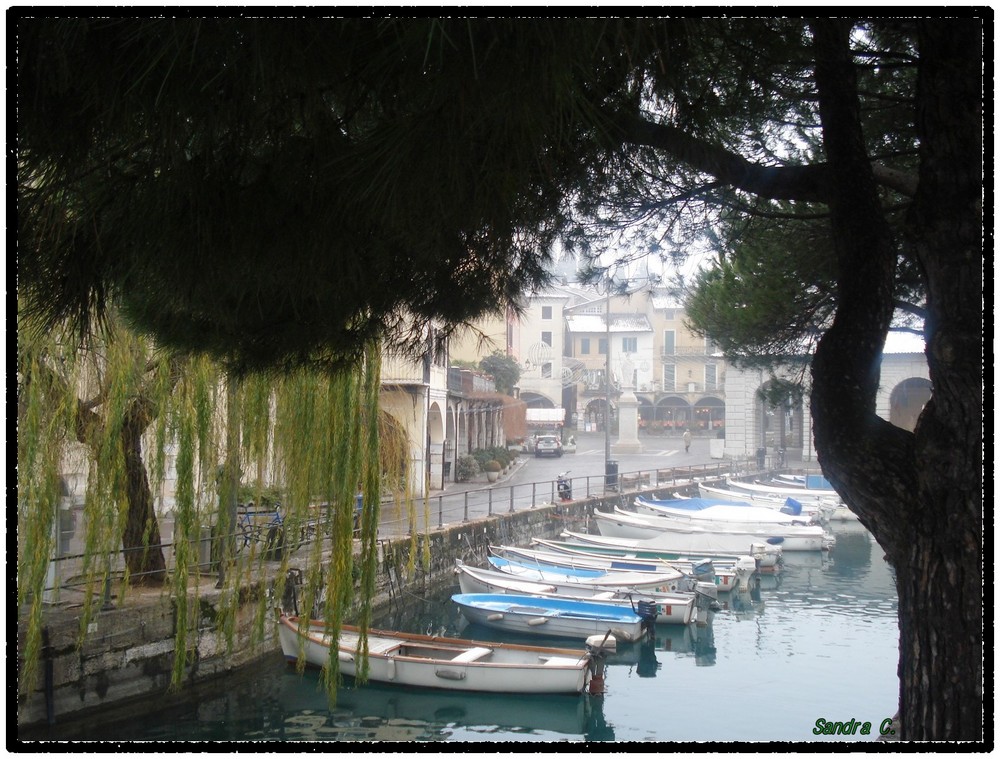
x,y
607,380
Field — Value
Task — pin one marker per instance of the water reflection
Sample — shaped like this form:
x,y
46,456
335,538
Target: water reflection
x,y
387,712
822,633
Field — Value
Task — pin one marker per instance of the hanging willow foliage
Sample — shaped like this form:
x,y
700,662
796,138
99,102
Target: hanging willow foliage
x,y
316,438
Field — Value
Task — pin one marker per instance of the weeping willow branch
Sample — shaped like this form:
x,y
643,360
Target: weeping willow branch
x,y
317,438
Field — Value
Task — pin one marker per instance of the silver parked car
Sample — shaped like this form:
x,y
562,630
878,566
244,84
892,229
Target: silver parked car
x,y
548,444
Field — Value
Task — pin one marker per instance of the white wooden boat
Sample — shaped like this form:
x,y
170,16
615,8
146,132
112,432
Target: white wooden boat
x,y
766,556
799,494
820,497
626,524
590,577
700,568
725,578
427,661
712,511
671,608
564,618
815,510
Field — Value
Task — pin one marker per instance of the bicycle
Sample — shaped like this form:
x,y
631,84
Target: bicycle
x,y
261,525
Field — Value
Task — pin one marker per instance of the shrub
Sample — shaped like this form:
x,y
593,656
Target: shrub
x,y
501,455
492,466
482,455
466,468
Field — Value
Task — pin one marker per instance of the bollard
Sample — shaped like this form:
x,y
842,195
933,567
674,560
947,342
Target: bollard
x,y
511,499
489,502
440,511
465,518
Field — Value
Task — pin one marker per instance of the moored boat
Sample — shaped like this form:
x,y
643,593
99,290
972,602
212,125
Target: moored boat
x,y
766,556
670,608
823,498
626,524
436,662
712,511
592,577
725,577
565,618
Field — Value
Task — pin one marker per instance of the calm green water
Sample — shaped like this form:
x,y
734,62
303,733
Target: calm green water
x,y
821,642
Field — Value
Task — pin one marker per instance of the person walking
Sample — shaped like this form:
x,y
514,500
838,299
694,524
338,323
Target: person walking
x,y
687,441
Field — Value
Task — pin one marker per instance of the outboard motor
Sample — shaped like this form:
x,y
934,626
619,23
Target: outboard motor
x,y
746,570
563,487
647,610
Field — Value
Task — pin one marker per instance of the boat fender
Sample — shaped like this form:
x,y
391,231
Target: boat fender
x,y
344,657
602,644
537,621
495,617
390,671
449,674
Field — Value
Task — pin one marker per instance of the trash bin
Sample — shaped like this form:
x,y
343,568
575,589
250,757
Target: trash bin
x,y
611,475
761,453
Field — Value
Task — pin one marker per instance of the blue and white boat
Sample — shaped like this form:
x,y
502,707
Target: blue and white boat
x,y
671,608
713,511
725,577
532,615
596,578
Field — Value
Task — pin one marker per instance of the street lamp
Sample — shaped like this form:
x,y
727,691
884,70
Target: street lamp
x,y
607,381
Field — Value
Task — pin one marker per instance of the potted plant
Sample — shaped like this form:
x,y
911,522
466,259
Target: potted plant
x,y
492,469
466,468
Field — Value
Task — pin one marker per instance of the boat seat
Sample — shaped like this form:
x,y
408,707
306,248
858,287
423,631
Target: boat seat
x,y
383,646
558,661
473,654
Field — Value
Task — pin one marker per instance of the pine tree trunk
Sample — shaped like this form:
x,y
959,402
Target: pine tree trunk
x,y
920,493
941,575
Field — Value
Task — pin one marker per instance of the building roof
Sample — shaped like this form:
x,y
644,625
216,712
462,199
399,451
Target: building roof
x,y
662,299
904,342
577,323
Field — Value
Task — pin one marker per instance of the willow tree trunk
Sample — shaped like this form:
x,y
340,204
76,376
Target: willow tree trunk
x,y
920,494
141,536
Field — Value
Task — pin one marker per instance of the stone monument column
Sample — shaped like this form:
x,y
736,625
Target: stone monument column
x,y
628,414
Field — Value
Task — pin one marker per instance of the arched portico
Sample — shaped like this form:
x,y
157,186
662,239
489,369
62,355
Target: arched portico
x,y
709,414
673,413
435,446
907,400
538,400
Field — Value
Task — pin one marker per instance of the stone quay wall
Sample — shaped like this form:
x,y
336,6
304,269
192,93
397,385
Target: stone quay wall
x,y
127,653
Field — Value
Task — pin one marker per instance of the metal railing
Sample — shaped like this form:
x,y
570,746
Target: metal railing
x,y
67,580
475,502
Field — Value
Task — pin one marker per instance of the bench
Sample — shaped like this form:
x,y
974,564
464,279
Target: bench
x,y
473,654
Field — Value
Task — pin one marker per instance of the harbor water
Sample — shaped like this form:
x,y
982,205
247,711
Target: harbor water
x,y
817,644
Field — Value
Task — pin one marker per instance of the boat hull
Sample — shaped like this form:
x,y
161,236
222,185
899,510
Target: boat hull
x,y
767,557
733,513
532,615
425,661
518,562
622,524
